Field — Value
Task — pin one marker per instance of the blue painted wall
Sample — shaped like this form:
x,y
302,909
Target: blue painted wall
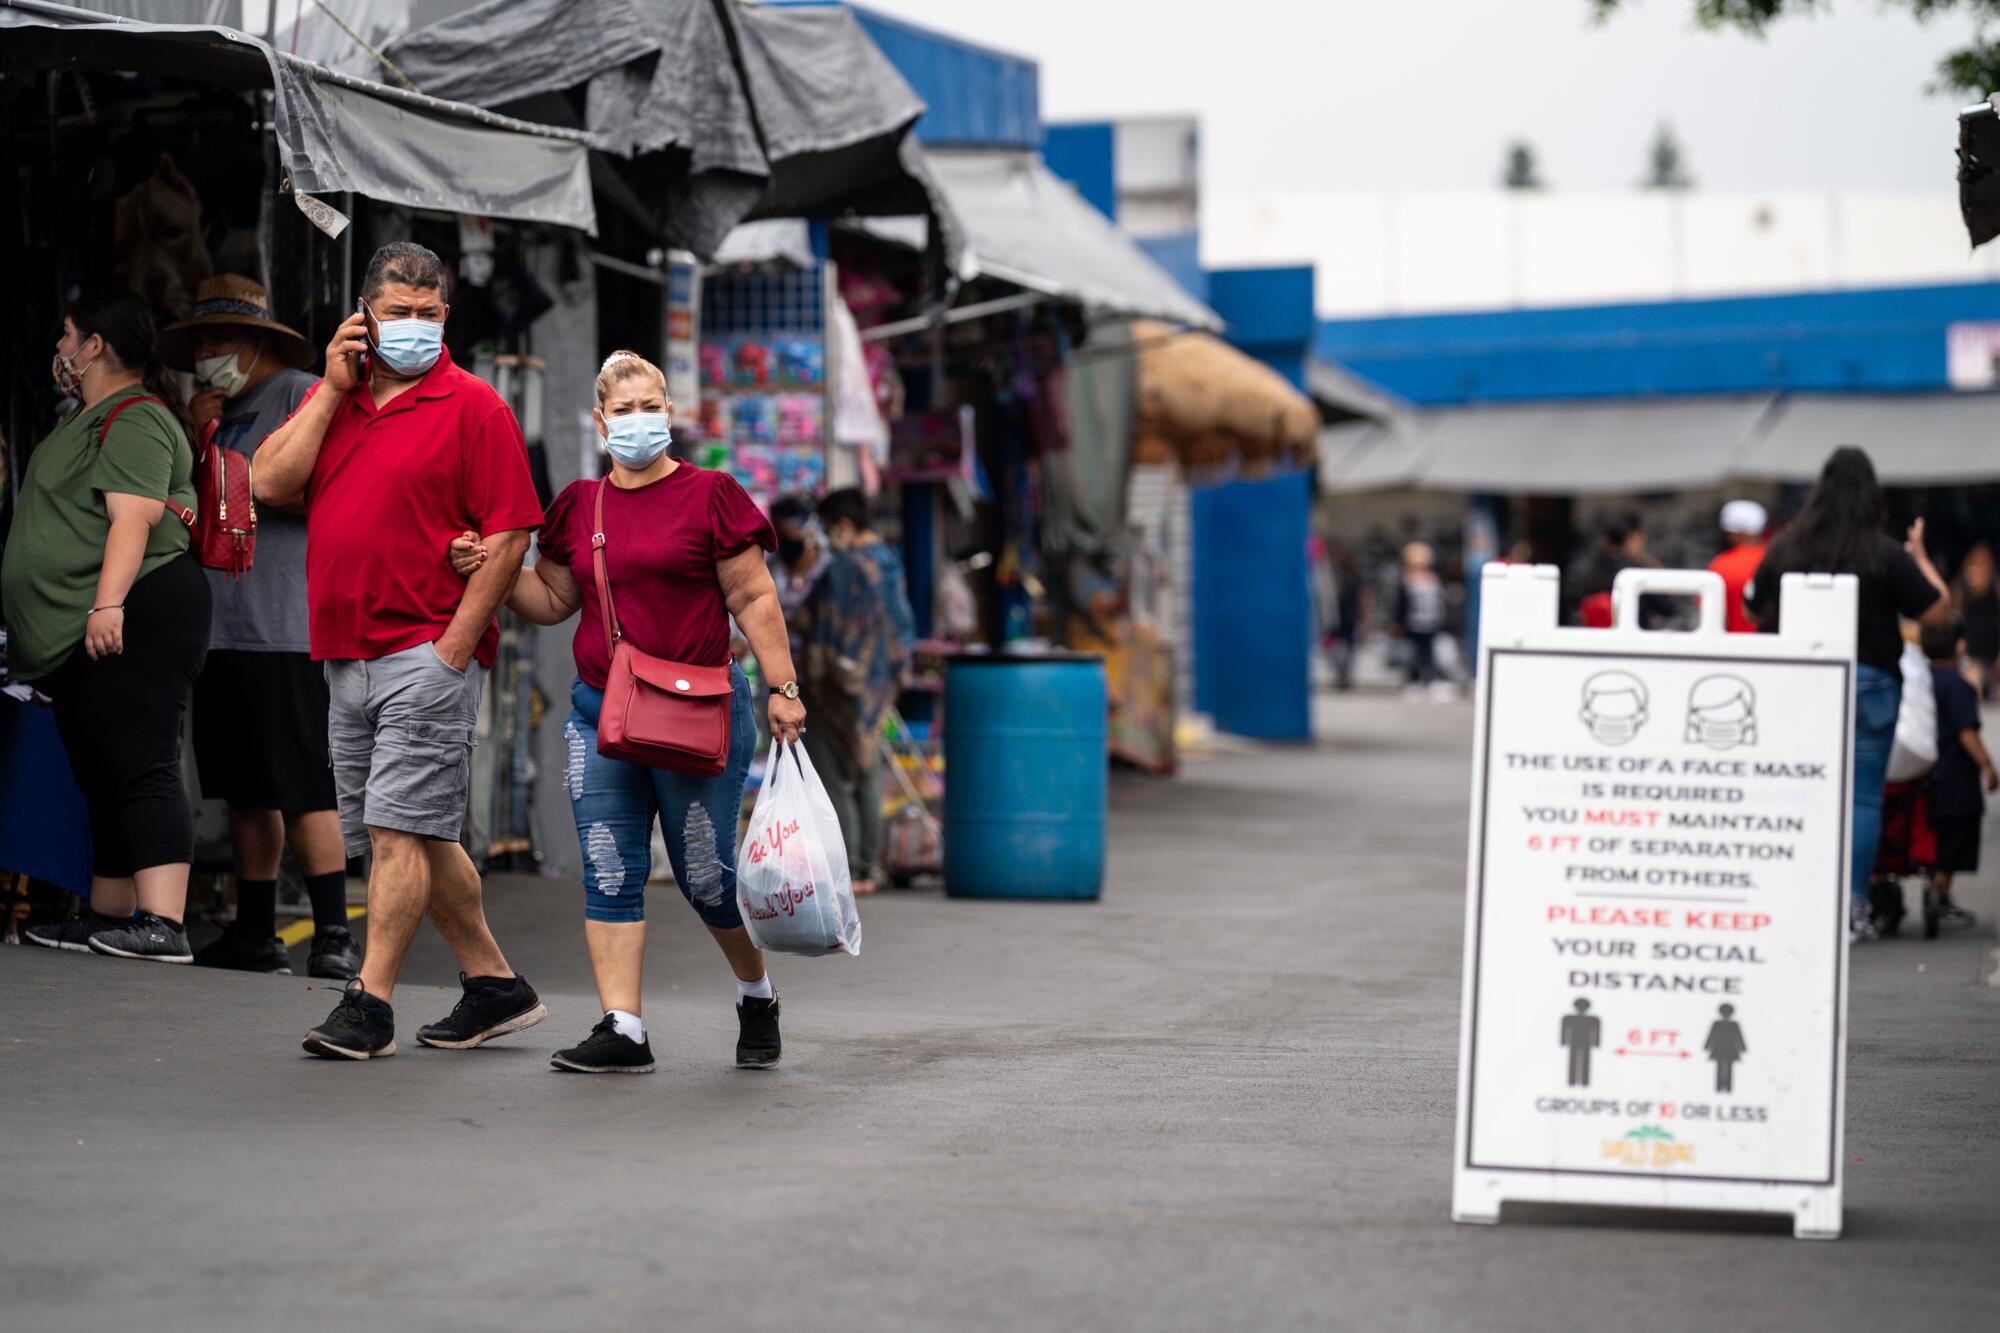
x,y
976,95
1086,155
1269,314
1881,340
1253,607
1180,255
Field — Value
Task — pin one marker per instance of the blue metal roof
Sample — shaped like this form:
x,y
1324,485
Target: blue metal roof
x,y
976,95
1881,340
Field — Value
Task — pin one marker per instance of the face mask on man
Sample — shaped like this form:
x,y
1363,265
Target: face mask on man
x,y
638,439
409,346
222,372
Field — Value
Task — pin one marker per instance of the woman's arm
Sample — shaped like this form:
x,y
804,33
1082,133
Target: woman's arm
x,y
132,520
752,598
543,593
1939,611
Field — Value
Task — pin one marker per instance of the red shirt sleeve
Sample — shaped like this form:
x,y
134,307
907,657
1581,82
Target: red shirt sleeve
x,y
555,541
735,521
499,492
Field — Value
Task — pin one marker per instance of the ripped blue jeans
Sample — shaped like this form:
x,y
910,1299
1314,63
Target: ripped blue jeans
x,y
615,803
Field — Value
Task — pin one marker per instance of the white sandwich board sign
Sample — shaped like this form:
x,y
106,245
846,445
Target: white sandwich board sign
x,y
1655,998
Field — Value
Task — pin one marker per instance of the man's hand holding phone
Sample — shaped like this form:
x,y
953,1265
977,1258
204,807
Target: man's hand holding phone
x,y
345,355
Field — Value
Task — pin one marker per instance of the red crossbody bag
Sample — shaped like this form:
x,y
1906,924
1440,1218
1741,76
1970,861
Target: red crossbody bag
x,y
221,488
658,713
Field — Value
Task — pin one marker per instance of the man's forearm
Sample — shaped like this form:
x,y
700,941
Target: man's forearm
x,y
285,459
484,593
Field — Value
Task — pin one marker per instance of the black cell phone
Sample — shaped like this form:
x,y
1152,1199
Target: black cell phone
x,y
370,329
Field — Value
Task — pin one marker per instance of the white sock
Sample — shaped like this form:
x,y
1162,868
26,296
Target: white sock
x,y
628,1025
760,989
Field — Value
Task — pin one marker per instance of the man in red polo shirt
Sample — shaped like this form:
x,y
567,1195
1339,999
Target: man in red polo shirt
x,y
392,454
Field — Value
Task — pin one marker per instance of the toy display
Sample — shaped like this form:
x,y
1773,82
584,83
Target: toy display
x,y
763,411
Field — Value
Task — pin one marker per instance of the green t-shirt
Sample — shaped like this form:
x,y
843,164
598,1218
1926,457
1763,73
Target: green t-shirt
x,y
55,550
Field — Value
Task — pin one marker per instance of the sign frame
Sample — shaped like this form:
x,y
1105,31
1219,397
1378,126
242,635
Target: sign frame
x,y
1518,619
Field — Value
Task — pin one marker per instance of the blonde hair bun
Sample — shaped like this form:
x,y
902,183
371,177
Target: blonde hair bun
x,y
626,365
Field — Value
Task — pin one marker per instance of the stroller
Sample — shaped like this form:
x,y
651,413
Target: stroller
x,y
912,838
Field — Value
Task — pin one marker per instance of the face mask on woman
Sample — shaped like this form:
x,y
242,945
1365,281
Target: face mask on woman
x,y
638,439
68,375
221,372
409,346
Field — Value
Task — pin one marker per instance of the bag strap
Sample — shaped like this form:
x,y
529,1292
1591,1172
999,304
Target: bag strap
x,y
104,432
611,631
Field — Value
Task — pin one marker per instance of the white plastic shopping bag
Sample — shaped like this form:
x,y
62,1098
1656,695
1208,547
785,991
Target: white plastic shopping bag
x,y
791,874
1916,747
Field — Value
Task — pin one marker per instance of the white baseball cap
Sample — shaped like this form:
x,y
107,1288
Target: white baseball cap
x,y
1746,518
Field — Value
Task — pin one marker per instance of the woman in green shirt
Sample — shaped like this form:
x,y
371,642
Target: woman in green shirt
x,y
108,614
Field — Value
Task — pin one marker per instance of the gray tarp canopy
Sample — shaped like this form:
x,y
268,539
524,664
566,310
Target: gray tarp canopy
x,y
335,132
1025,226
730,111
1914,439
1660,444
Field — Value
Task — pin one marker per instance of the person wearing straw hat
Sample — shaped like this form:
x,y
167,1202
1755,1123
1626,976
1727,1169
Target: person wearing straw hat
x,y
1743,524
260,707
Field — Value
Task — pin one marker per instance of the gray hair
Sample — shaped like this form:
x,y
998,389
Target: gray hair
x,y
405,262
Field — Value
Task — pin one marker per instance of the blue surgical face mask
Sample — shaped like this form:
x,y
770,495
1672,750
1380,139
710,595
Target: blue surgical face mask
x,y
638,439
410,346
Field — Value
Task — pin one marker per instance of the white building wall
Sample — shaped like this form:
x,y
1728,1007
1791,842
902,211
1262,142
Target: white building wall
x,y
1382,253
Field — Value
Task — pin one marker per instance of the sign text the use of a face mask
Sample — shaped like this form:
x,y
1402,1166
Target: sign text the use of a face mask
x,y
1657,881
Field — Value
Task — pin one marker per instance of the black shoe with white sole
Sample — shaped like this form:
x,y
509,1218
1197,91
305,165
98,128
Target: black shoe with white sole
x,y
491,1007
151,938
335,956
360,1027
72,933
240,954
606,1051
757,1044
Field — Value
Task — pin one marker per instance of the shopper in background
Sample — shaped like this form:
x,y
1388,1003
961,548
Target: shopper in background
x,y
1977,602
683,554
1743,523
260,708
855,656
1420,618
1964,773
796,563
1839,531
108,614
394,453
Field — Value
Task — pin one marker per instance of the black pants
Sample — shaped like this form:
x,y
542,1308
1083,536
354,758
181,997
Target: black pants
x,y
120,720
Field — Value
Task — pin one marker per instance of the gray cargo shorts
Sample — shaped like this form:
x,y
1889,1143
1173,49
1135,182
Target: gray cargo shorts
x,y
401,732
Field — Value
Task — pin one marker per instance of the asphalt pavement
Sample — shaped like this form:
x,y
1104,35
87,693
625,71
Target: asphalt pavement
x,y
1220,1098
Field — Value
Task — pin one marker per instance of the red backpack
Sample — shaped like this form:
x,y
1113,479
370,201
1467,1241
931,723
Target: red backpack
x,y
221,487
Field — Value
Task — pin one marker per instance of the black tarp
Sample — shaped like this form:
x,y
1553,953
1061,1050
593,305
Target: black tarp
x,y
1979,173
726,111
336,133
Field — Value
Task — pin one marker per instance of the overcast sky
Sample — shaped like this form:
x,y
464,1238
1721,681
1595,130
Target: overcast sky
x,y
1423,94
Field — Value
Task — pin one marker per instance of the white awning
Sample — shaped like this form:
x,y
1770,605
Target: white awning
x,y
1583,448
1914,439
1026,226
1372,455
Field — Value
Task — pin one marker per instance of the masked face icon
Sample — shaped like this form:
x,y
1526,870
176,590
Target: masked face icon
x,y
1722,713
1614,706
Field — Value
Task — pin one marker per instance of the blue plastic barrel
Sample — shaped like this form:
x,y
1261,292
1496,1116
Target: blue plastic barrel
x,y
1024,775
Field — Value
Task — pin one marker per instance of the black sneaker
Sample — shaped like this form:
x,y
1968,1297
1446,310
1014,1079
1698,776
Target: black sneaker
x,y
606,1051
757,1044
1951,914
72,933
491,1007
360,1027
151,938
240,954
335,956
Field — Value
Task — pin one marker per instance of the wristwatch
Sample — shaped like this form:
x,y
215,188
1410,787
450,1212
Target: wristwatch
x,y
790,689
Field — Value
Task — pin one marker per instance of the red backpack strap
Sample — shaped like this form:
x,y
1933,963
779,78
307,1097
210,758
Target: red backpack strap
x,y
104,432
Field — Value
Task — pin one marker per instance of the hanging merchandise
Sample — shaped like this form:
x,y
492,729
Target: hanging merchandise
x,y
765,378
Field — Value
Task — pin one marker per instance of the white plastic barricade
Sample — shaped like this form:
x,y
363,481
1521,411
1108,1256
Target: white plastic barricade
x,y
1656,905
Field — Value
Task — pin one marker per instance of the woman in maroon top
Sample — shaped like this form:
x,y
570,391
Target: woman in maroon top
x,y
684,551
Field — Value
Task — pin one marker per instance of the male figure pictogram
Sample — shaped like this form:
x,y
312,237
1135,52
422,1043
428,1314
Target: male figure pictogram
x,y
1580,1032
